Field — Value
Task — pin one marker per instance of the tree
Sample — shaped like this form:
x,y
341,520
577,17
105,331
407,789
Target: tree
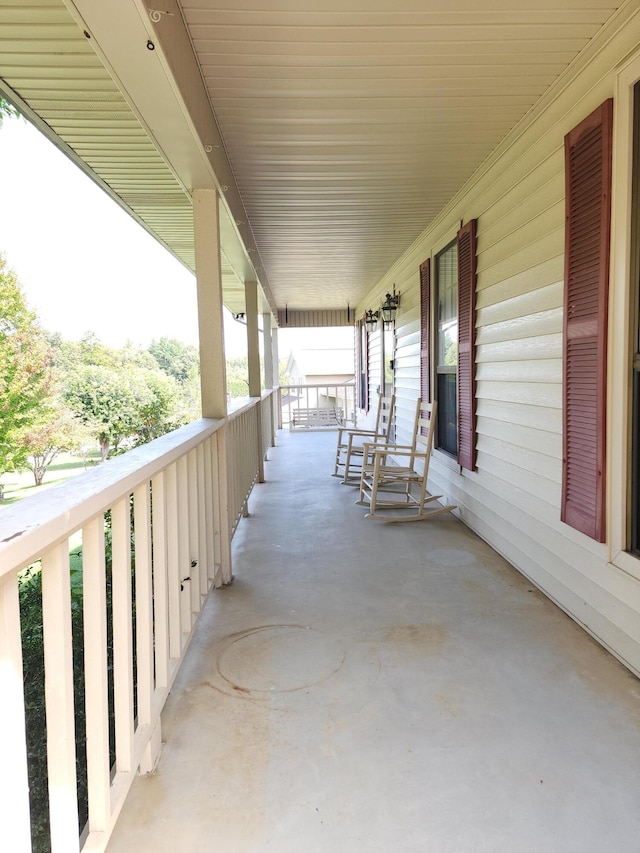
x,y
26,375
157,406
123,403
179,360
6,110
105,401
238,377
56,431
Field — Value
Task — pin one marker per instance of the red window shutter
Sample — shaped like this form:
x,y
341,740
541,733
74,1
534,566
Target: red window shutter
x,y
586,286
425,332
366,405
466,239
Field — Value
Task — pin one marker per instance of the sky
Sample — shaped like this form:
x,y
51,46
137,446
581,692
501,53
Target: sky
x,y
84,264
87,266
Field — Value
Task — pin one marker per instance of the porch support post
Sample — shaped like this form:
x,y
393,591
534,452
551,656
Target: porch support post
x,y
253,349
206,221
268,351
277,412
276,357
270,378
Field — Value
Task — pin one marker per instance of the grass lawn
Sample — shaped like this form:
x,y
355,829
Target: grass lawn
x,y
21,485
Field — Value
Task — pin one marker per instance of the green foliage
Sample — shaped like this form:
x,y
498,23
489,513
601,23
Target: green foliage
x,y
238,377
176,359
119,404
7,110
104,401
157,406
56,431
26,375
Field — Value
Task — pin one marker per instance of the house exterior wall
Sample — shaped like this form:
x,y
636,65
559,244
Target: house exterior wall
x,y
512,499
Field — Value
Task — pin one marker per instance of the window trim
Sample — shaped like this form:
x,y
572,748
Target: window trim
x,y
622,309
444,370
446,240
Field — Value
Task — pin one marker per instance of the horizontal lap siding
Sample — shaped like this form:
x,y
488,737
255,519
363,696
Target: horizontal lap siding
x,y
513,497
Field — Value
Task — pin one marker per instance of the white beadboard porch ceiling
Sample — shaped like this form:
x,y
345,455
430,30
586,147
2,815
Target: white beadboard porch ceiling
x,y
348,124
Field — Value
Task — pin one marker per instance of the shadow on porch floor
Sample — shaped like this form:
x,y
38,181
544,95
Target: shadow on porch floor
x,y
363,688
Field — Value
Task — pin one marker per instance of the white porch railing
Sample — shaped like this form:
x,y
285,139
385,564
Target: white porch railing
x,y
298,401
173,507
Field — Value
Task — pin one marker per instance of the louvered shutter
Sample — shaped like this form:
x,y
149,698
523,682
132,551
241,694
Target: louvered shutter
x,y
365,338
466,239
586,285
425,343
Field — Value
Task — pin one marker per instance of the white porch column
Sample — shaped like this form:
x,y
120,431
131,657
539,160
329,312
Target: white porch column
x,y
268,351
213,380
253,347
276,357
277,423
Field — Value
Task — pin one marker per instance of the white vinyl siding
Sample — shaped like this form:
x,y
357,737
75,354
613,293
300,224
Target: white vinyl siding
x,y
512,500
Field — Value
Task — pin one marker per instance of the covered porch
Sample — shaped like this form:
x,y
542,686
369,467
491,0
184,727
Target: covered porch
x,y
362,687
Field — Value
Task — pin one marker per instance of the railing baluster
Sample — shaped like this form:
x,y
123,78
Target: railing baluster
x,y
194,529
209,514
15,823
144,611
122,634
173,562
94,586
223,492
58,663
160,591
203,550
183,548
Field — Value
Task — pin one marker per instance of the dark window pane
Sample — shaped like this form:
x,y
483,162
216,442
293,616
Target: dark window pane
x,y
447,413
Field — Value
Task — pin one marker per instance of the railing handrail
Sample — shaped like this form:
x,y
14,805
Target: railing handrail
x,y
350,384
29,525
39,521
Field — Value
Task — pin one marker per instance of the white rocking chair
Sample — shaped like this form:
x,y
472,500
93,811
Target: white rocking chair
x,y
393,482
348,464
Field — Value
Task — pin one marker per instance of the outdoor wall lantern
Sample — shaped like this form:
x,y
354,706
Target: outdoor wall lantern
x,y
389,308
371,320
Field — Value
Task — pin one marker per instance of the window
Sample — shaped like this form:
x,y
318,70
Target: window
x,y
363,372
446,347
388,353
452,347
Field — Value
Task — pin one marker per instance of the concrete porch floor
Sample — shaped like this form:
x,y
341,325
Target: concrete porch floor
x,y
362,687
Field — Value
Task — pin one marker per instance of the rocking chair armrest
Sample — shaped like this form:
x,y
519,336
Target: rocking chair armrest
x,y
361,434
351,431
416,454
384,448
364,432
